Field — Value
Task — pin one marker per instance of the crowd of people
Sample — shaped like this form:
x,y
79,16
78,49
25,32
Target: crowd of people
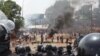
x,y
48,50
43,38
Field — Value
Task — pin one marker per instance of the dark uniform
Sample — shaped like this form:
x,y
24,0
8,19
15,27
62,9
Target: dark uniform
x,y
69,48
4,42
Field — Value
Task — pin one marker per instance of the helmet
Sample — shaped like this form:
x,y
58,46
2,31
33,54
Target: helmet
x,y
54,48
39,48
2,16
20,49
7,24
49,47
89,45
28,49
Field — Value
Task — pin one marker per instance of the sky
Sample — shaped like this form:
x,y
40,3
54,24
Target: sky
x,y
34,6
37,6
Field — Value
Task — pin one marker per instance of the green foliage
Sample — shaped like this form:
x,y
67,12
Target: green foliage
x,y
13,12
1,3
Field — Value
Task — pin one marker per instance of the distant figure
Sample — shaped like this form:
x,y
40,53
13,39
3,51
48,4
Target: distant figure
x,y
61,39
34,37
57,38
26,38
42,38
66,40
52,39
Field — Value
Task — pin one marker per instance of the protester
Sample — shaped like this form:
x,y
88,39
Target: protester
x,y
61,39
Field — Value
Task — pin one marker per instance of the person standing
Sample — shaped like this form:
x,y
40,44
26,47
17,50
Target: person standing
x,y
66,40
52,39
61,39
57,39
42,38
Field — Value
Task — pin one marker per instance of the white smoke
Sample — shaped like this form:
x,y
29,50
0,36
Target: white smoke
x,y
77,4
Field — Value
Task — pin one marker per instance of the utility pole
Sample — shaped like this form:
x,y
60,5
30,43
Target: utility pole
x,y
22,7
91,19
92,23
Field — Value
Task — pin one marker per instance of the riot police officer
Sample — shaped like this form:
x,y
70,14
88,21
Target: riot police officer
x,y
5,29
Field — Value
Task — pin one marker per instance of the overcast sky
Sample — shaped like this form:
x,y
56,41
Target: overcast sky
x,y
37,6
34,6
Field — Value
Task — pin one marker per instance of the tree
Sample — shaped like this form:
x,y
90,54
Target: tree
x,y
13,12
1,3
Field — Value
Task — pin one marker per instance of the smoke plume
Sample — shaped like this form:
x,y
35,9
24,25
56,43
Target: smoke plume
x,y
60,15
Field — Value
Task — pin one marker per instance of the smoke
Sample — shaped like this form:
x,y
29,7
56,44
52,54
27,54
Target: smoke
x,y
60,15
64,21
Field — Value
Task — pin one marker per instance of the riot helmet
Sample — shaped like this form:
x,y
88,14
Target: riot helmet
x,y
49,47
39,48
89,45
8,25
5,27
